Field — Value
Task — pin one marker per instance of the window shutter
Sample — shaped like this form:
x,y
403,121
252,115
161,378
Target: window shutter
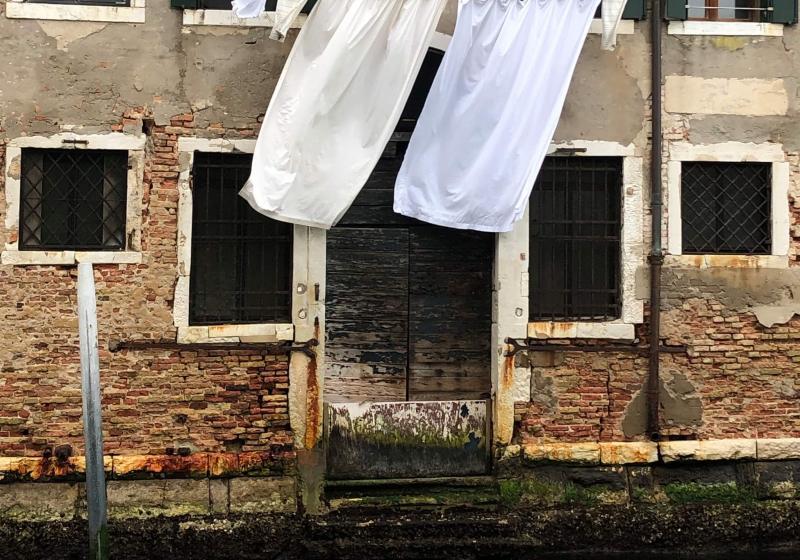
x,y
783,11
634,9
184,4
676,9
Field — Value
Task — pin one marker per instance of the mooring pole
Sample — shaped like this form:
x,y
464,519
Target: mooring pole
x,y
92,423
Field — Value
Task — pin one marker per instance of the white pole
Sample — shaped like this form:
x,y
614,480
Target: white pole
x,y
92,422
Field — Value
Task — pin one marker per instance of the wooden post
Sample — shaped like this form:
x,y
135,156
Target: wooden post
x,y
92,423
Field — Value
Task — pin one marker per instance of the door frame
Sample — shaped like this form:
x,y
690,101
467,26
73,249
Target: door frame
x,y
509,320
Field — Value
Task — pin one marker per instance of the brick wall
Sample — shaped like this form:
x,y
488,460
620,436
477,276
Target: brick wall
x,y
225,401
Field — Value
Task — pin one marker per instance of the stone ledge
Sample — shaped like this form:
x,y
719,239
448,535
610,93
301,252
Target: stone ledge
x,y
579,453
628,453
778,449
196,465
707,450
37,258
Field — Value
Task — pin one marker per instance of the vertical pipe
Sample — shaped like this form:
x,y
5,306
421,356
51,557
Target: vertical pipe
x,y
656,258
92,424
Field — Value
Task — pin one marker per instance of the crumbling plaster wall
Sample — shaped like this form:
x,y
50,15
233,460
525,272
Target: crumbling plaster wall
x,y
738,317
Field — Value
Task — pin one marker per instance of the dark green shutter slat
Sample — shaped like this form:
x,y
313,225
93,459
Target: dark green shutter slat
x,y
634,9
783,11
676,9
184,4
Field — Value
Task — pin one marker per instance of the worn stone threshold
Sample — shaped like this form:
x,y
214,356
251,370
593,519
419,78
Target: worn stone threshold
x,y
400,482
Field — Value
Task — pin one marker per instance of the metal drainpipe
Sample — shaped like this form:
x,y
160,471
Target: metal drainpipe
x,y
656,258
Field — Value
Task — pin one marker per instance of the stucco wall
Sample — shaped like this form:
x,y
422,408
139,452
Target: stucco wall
x,y
163,80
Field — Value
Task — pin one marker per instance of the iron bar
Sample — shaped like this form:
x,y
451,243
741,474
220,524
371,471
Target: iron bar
x,y
643,349
92,421
271,348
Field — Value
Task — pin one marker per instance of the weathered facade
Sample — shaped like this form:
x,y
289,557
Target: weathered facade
x,y
232,405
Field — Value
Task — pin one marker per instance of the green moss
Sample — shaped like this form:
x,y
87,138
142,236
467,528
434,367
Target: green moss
x,y
517,491
692,492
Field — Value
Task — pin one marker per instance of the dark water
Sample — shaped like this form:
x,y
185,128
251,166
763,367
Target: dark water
x,y
679,555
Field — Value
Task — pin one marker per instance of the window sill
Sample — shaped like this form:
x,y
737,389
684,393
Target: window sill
x,y
609,331
625,27
236,333
226,18
68,258
735,28
16,9
727,261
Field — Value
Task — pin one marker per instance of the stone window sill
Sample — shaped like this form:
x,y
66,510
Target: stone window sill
x,y
67,258
727,261
227,19
734,28
236,333
625,27
558,330
16,9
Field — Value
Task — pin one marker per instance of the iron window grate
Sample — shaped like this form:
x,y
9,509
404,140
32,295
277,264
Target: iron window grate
x,y
726,208
575,235
270,6
73,199
241,261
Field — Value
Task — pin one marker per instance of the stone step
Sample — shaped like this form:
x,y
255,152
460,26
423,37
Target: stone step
x,y
412,493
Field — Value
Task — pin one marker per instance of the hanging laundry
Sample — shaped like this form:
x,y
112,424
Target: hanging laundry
x,y
286,12
612,16
492,111
338,99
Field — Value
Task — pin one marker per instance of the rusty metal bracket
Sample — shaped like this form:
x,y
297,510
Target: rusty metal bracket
x,y
306,348
516,347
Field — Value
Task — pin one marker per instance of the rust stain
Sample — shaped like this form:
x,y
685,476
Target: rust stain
x,y
508,371
313,416
193,465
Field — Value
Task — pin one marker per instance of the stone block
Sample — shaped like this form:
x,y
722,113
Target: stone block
x,y
186,497
629,453
710,450
262,495
38,502
583,453
218,496
135,498
778,449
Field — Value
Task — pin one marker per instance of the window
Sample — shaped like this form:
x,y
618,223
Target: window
x,y
241,261
270,6
73,199
575,240
124,11
85,2
761,11
725,10
634,9
726,208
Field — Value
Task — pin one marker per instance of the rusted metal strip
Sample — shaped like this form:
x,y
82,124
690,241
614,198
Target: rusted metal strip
x,y
273,348
518,346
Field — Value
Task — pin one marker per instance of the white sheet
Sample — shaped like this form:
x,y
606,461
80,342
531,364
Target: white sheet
x,y
612,15
492,112
336,104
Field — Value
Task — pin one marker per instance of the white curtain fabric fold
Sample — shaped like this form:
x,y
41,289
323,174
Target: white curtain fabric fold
x,y
492,111
285,13
338,99
612,16
248,8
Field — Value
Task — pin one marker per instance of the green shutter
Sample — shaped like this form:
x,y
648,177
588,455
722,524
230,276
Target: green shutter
x,y
634,9
309,6
676,9
184,4
783,11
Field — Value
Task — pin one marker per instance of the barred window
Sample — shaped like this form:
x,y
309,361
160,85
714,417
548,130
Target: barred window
x,y
73,199
725,10
270,5
241,269
121,3
575,237
726,208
